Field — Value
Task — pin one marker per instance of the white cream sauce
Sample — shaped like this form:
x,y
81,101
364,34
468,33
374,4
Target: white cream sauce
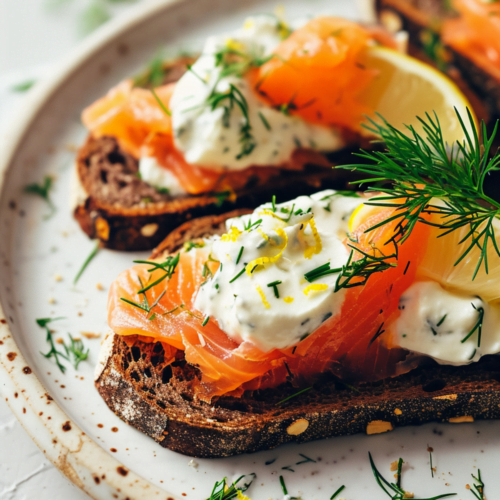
x,y
210,137
159,177
435,322
243,303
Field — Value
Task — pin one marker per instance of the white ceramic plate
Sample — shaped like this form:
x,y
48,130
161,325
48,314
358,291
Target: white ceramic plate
x,y
39,259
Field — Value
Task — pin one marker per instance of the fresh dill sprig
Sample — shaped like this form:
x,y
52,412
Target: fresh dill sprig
x,y
43,190
357,272
53,352
223,491
167,267
423,168
229,100
395,490
478,489
234,62
477,327
88,260
76,350
336,494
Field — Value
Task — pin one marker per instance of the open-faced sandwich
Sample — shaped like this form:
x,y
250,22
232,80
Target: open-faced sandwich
x,y
264,110
461,36
325,315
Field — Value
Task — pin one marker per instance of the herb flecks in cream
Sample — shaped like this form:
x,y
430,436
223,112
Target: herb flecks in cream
x,y
452,328
259,293
219,121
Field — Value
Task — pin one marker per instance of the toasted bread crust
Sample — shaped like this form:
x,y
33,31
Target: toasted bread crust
x,y
125,213
157,399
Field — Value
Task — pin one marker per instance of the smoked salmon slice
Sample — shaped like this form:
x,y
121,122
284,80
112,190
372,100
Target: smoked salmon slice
x,y
316,74
352,344
476,33
142,128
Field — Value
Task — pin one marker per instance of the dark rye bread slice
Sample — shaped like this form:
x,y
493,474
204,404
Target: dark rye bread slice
x,y
125,213
158,399
422,19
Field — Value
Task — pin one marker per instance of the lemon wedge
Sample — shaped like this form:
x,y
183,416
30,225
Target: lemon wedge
x,y
405,88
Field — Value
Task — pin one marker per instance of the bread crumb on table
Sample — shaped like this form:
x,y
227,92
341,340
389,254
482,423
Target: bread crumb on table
x,y
58,277
99,286
90,335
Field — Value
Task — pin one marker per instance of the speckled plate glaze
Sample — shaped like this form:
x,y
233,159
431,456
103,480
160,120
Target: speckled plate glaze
x,y
39,258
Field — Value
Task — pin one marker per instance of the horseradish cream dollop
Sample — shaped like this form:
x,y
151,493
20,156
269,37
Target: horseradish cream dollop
x,y
211,128
259,293
159,177
452,328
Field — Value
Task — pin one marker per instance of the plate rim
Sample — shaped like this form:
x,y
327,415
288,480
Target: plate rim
x,y
71,451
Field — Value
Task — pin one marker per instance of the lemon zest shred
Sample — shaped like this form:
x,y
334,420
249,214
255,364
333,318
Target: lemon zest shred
x,y
240,495
315,287
232,235
356,212
249,24
310,251
263,297
263,234
261,261
267,211
288,300
233,44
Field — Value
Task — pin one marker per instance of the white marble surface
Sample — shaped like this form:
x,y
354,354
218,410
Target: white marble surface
x,y
33,38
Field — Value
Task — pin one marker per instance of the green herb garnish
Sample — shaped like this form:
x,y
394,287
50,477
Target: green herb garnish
x,y
240,253
23,86
394,490
477,327
478,489
251,224
42,190
274,286
154,74
53,353
220,196
335,495
167,267
87,261
294,395
76,351
160,103
189,245
423,168
223,491
306,459
239,274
